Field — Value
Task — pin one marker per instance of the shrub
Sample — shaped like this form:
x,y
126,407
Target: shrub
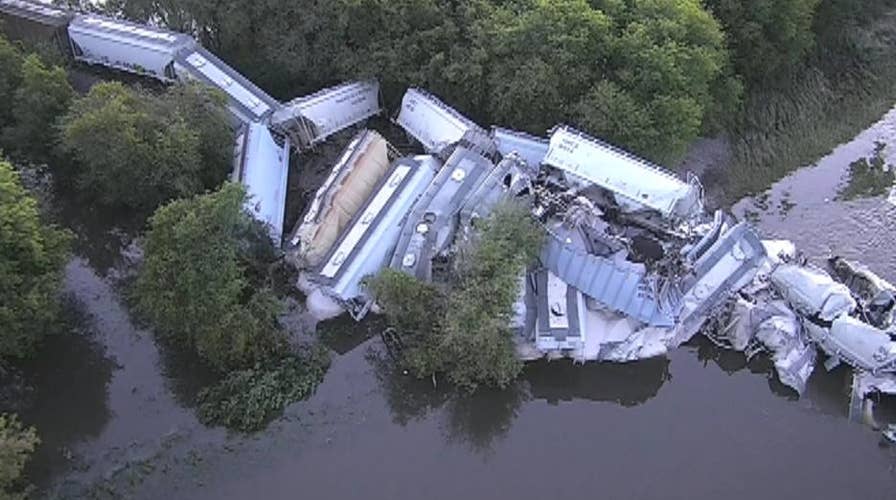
x,y
194,284
138,150
16,445
43,96
32,256
464,332
246,400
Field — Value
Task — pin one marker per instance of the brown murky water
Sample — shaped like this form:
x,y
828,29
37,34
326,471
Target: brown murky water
x,y
114,409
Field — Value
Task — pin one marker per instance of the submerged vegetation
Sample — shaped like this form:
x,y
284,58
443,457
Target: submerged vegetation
x,y
869,177
463,331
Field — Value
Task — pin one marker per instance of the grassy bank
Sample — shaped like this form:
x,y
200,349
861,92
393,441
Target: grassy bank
x,y
824,106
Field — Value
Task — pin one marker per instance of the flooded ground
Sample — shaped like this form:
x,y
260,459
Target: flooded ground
x,y
114,410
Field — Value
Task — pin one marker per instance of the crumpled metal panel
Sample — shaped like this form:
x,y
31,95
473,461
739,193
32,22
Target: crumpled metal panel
x,y
617,284
858,344
729,265
530,148
812,291
432,122
313,118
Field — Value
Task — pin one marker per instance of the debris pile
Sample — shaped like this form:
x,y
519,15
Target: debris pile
x,y
632,266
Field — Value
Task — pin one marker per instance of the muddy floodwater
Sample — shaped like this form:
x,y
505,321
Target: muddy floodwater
x,y
115,414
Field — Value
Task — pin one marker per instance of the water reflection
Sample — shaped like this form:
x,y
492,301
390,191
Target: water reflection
x,y
482,419
626,384
101,234
64,392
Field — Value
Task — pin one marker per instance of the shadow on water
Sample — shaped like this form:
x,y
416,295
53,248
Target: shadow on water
x,y
64,392
101,234
628,384
481,419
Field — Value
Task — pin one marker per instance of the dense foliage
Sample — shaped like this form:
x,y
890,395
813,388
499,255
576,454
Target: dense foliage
x,y
42,97
769,39
463,332
32,256
10,78
16,445
139,150
195,286
203,285
644,73
246,400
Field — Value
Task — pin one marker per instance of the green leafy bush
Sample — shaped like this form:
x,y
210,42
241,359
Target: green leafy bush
x,y
194,285
16,445
10,78
138,150
32,256
246,400
43,95
463,332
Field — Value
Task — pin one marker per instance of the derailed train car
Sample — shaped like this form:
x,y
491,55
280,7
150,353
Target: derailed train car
x,y
261,147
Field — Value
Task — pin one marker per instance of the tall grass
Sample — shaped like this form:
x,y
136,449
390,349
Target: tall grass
x,y
792,126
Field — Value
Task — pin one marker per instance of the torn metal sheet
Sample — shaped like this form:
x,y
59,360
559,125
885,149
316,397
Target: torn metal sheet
x,y
858,344
729,265
432,122
812,292
360,168
614,282
432,222
263,168
531,149
364,247
511,177
593,161
312,119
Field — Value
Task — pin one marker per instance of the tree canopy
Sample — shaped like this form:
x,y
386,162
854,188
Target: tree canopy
x,y
32,256
638,72
139,150
42,97
195,286
769,39
10,78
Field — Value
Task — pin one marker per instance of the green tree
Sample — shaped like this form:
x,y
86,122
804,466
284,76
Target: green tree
x,y
32,256
16,445
43,96
10,78
138,150
640,73
464,331
195,285
770,39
